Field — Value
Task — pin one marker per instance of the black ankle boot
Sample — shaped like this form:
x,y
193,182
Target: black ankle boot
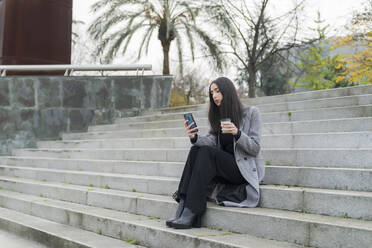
x,y
178,213
187,220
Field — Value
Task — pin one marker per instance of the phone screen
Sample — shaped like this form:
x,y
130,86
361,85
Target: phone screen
x,y
190,119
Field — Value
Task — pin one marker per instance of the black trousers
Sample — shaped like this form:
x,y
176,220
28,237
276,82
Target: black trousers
x,y
205,164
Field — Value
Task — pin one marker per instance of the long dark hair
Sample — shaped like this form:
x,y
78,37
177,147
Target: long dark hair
x,y
230,106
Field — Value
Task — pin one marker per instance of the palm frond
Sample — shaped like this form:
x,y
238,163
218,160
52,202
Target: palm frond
x,y
99,25
119,38
99,5
146,37
172,6
190,38
103,3
114,47
101,28
127,43
192,11
219,16
148,41
113,16
133,17
103,44
211,46
168,19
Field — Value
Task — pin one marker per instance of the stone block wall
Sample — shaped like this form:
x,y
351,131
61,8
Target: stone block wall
x,y
34,108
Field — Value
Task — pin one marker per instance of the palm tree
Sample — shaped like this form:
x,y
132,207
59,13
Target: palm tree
x,y
171,19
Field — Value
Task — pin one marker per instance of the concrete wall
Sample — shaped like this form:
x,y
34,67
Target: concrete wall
x,y
34,108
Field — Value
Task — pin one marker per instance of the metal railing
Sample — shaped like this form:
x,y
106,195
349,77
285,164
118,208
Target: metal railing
x,y
69,69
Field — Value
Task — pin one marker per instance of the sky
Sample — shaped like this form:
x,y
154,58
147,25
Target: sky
x,y
336,13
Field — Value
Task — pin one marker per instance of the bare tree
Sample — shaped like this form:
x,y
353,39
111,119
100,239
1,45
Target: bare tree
x,y
189,88
252,36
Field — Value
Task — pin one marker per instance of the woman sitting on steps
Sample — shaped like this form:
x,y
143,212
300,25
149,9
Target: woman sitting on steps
x,y
226,164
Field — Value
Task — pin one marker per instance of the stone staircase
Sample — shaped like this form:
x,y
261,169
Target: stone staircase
x,y
112,186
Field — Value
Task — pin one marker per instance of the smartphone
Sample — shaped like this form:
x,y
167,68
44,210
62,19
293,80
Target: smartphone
x,y
189,118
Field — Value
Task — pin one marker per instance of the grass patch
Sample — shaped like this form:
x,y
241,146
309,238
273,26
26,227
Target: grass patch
x,y
346,216
152,217
132,241
90,185
214,235
134,190
215,228
267,163
106,187
206,235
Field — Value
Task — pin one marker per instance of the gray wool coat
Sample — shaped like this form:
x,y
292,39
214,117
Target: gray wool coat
x,y
247,155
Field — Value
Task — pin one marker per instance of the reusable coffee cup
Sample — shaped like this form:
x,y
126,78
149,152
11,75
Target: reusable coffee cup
x,y
225,120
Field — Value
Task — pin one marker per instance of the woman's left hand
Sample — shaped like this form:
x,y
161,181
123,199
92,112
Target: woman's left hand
x,y
229,127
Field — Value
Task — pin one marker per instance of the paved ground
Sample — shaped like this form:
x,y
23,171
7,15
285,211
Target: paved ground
x,y
9,240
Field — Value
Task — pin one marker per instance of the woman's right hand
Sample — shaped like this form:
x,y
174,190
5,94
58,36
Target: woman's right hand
x,y
190,131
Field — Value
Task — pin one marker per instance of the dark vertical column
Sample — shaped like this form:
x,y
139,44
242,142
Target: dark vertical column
x,y
2,20
35,32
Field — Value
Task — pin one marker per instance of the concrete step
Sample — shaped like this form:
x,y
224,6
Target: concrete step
x,y
283,116
149,168
143,177
131,133
354,100
52,234
186,108
316,126
151,231
316,94
326,178
141,183
347,204
280,99
315,140
322,157
157,124
11,240
325,157
204,124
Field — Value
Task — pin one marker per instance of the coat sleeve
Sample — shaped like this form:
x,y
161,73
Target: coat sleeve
x,y
249,140
207,140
